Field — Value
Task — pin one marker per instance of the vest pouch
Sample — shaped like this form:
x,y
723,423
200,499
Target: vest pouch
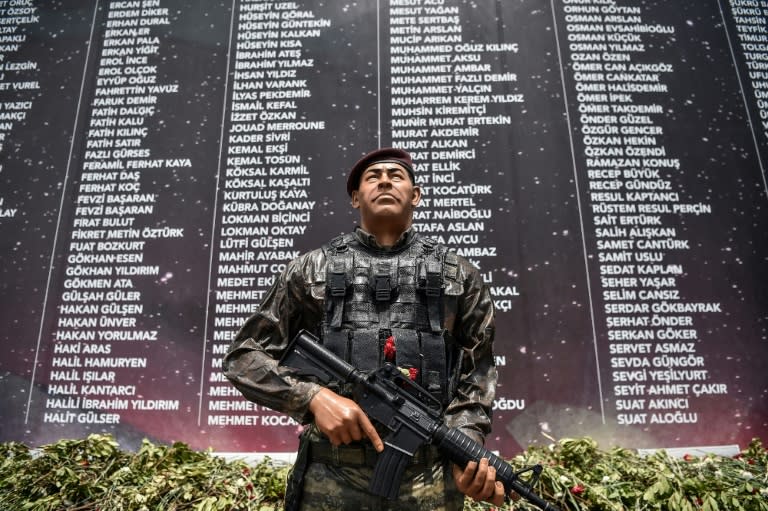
x,y
337,341
365,352
338,281
435,371
382,282
430,282
408,350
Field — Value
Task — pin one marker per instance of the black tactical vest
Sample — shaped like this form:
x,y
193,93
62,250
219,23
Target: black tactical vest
x,y
403,297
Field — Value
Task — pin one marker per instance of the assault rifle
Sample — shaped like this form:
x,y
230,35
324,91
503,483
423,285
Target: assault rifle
x,y
410,413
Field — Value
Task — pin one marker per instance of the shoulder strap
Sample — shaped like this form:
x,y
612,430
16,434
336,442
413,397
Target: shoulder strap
x,y
439,269
339,267
431,281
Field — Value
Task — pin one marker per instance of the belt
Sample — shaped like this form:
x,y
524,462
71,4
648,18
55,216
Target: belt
x,y
362,455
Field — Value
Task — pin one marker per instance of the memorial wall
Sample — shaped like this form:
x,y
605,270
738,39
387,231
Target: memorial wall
x,y
600,162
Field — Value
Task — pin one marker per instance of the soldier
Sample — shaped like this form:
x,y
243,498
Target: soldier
x,y
382,293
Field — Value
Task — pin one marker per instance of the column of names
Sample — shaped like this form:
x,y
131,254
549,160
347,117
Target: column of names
x,y
18,85
636,205
266,181
102,315
752,31
447,93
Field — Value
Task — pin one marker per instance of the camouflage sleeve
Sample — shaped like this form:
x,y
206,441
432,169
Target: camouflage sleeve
x,y
251,362
470,409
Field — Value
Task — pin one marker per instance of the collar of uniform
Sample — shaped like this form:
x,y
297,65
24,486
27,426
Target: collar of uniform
x,y
369,239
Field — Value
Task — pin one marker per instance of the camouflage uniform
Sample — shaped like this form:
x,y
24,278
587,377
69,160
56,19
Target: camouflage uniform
x,y
300,299
331,488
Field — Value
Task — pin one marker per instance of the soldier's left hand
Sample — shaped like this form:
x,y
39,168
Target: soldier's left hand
x,y
478,481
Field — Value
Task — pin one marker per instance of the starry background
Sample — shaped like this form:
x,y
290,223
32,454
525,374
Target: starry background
x,y
552,341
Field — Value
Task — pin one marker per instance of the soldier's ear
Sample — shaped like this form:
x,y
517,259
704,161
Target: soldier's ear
x,y
416,198
355,199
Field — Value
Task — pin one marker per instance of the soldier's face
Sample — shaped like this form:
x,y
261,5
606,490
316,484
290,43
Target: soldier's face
x,y
386,190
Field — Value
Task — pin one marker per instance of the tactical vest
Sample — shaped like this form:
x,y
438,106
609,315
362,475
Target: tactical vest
x,y
403,299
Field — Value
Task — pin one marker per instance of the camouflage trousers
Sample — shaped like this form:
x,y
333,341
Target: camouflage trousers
x,y
338,488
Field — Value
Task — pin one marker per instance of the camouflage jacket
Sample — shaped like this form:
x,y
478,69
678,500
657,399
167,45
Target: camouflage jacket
x,y
296,301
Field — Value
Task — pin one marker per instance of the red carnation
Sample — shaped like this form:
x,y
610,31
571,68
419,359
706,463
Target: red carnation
x,y
389,349
688,457
577,489
413,373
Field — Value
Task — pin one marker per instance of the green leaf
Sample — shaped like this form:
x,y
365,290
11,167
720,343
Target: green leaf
x,y
710,504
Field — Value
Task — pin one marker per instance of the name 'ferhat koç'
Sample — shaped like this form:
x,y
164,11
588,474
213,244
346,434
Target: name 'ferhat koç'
x,y
385,154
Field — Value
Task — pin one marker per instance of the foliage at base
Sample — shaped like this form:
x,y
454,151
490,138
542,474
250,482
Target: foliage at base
x,y
94,474
579,476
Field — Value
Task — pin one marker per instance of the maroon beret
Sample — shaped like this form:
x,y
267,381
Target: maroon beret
x,y
384,154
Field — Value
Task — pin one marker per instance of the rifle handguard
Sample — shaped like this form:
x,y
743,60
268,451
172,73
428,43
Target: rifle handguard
x,y
461,449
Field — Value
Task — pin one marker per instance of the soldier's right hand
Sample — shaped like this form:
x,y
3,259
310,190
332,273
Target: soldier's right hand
x,y
342,420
